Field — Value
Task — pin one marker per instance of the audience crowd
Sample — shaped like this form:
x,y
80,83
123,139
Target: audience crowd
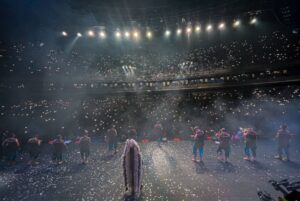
x,y
36,60
262,108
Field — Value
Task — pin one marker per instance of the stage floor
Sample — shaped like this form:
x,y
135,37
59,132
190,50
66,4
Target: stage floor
x,y
169,174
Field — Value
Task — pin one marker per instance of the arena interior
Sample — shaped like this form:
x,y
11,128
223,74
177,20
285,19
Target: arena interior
x,y
208,92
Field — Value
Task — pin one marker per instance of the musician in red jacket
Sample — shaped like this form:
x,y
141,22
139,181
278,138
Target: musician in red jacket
x,y
159,132
84,144
198,138
250,137
58,148
283,137
34,149
10,146
224,144
111,139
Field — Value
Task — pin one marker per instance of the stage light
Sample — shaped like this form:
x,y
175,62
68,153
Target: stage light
x,y
168,33
136,34
253,21
79,34
209,27
127,34
149,34
179,31
198,29
102,34
64,33
188,30
237,23
221,26
118,34
91,33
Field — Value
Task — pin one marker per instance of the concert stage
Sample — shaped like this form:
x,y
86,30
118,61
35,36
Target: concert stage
x,y
169,174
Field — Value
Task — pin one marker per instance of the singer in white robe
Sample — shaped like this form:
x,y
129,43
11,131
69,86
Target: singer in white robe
x,y
132,165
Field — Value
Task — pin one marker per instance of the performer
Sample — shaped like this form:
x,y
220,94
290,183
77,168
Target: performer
x,y
58,148
198,137
84,143
132,165
34,150
250,144
111,139
238,136
174,132
159,131
10,146
224,144
283,137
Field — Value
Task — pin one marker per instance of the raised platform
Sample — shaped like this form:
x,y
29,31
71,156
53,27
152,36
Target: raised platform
x,y
169,174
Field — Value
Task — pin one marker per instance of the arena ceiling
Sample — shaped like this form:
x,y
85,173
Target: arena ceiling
x,y
138,10
28,18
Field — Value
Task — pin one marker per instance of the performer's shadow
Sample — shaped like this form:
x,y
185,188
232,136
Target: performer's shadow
x,y
76,168
225,167
107,157
291,164
258,165
172,161
131,198
200,168
21,169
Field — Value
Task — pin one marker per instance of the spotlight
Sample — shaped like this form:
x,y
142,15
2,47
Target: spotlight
x,y
91,33
198,29
79,34
188,30
253,21
118,34
64,33
221,26
237,23
127,34
102,34
168,33
135,34
149,34
179,31
209,27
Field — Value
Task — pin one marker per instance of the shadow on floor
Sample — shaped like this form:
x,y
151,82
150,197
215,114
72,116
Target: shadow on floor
x,y
258,165
107,157
292,164
225,167
200,168
132,198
